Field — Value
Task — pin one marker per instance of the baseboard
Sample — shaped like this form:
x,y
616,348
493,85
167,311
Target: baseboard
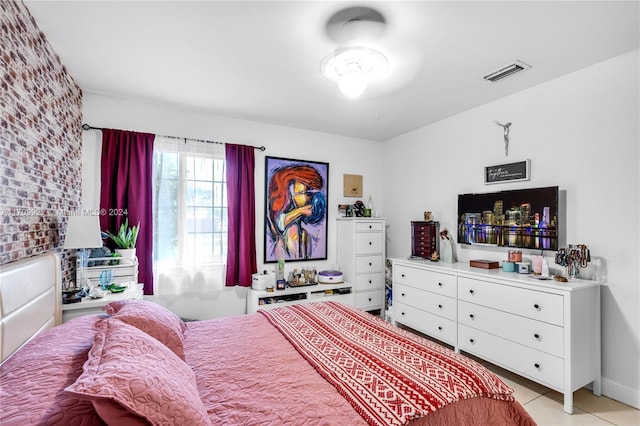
x,y
621,393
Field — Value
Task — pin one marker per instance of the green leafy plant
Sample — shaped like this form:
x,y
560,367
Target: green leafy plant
x,y
126,237
115,259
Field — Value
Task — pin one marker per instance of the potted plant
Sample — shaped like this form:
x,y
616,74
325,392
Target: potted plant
x,y
125,239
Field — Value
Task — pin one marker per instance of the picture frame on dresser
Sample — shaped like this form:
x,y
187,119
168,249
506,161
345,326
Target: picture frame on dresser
x,y
296,194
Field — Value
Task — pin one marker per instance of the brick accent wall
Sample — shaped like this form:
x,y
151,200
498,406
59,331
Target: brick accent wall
x,y
40,141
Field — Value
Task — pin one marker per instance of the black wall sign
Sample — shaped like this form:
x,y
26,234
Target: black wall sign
x,y
507,172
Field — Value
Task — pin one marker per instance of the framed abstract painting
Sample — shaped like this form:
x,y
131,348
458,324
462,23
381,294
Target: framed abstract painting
x,y
296,195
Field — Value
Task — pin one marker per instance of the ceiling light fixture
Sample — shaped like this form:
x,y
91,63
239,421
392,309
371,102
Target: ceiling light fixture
x,y
353,68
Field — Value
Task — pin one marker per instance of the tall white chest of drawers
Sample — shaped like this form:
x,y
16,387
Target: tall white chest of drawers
x,y
361,257
546,331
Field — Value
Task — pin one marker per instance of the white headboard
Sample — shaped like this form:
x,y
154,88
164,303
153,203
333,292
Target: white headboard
x,y
30,300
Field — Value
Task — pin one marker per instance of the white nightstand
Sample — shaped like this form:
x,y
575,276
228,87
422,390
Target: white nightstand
x,y
90,306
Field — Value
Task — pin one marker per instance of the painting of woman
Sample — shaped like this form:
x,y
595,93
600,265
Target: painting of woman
x,y
296,197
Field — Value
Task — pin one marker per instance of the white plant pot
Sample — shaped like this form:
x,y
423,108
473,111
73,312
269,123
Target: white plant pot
x,y
127,253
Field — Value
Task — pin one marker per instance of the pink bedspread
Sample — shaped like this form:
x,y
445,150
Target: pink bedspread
x,y
32,381
247,374
389,377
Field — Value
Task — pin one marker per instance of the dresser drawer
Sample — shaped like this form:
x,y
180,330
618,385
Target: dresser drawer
x,y
537,305
368,264
432,325
434,282
369,281
368,242
425,243
534,334
366,226
537,365
423,229
434,303
368,300
424,252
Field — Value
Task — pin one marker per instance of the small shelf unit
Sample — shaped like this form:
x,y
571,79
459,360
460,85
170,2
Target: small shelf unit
x,y
263,299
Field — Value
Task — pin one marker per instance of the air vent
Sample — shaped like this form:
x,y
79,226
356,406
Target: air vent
x,y
506,71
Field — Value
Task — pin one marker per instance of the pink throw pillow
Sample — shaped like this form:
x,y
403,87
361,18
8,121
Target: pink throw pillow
x,y
131,377
155,320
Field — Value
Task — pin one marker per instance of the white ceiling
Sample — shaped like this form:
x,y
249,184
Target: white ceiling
x,y
261,60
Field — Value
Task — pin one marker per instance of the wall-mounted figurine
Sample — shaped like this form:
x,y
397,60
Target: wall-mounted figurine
x,y
505,127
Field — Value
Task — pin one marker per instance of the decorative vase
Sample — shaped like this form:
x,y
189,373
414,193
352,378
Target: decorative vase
x,y
127,253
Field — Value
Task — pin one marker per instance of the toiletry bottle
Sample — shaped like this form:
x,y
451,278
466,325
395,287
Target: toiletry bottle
x,y
545,268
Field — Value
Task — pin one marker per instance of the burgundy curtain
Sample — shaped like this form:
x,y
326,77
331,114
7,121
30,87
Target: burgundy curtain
x,y
126,187
241,246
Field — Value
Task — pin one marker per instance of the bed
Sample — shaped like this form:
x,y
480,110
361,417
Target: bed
x,y
314,364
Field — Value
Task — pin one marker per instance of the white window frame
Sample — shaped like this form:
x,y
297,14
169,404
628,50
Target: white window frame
x,y
186,148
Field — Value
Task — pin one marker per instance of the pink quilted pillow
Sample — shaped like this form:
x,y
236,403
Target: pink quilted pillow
x,y
131,377
155,320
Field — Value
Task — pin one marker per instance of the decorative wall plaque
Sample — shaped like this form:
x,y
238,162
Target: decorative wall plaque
x,y
353,185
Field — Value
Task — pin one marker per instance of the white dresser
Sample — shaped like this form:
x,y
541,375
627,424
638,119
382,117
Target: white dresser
x,y
546,331
361,258
426,301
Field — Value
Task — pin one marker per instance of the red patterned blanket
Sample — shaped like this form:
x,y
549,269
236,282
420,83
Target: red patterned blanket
x,y
389,376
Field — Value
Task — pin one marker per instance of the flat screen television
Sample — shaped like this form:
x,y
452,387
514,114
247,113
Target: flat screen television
x,y
522,218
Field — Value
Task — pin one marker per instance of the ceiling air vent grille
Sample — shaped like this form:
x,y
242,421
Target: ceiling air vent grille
x,y
506,71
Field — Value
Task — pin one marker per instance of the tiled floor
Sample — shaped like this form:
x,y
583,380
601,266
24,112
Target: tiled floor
x,y
545,405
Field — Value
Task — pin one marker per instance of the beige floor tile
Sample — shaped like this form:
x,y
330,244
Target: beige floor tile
x,y
548,412
608,409
521,392
605,408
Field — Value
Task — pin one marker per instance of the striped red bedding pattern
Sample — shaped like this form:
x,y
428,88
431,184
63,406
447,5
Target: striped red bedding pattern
x,y
389,376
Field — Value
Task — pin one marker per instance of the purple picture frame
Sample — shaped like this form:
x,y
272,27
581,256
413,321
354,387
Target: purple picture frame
x,y
296,209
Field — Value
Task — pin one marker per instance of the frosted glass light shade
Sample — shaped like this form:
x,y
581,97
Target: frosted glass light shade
x,y
83,232
353,68
352,83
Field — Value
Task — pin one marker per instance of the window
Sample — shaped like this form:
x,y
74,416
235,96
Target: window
x,y
189,203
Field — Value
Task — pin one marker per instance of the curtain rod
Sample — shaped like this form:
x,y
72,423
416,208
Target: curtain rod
x,y
88,127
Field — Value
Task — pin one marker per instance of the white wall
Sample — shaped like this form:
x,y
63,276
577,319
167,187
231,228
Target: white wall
x,y
581,132
344,155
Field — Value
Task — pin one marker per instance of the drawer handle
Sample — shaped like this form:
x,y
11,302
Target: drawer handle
x,y
440,328
370,227
536,365
439,284
402,294
536,306
402,275
471,316
472,291
369,299
440,306
471,340
370,264
370,243
402,313
537,336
